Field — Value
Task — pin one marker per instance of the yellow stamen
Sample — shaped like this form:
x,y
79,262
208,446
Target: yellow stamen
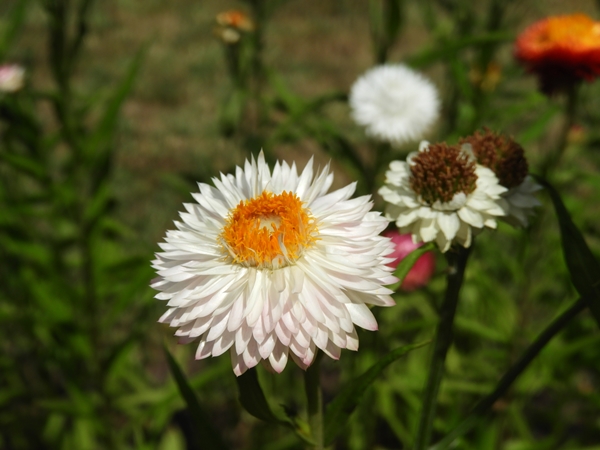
x,y
268,231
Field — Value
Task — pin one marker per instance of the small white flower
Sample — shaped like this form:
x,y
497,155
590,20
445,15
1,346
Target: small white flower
x,y
270,265
12,78
506,158
440,194
394,103
519,202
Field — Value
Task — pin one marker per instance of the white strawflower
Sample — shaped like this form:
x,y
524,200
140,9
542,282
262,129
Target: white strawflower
x,y
12,78
268,265
394,103
506,158
441,194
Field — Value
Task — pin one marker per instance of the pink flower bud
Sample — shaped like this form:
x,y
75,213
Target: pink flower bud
x,y
12,78
421,272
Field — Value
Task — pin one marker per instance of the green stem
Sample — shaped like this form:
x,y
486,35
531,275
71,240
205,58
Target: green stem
x,y
570,112
457,261
314,397
485,404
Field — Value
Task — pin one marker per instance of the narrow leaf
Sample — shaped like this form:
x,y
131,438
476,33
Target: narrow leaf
x,y
14,21
254,401
339,410
253,398
205,436
104,131
408,262
583,266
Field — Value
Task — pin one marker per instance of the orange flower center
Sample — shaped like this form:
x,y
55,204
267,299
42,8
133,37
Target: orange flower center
x,y
268,231
576,30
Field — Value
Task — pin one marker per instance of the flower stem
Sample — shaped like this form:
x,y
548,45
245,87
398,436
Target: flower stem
x,y
484,405
457,261
314,397
570,112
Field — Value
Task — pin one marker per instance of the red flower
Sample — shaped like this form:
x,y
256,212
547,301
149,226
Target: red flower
x,y
561,51
421,272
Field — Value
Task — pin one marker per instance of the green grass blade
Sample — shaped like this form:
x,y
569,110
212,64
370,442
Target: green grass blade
x,y
339,410
103,134
205,436
14,21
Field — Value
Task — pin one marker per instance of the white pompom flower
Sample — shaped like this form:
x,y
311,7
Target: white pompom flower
x,y
268,265
441,194
394,103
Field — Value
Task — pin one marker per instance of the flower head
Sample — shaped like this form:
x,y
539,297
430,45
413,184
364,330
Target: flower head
x,y
420,273
235,19
561,50
394,103
231,25
269,265
506,158
12,78
441,194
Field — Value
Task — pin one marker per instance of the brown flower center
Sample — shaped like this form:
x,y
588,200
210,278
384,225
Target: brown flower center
x,y
442,171
501,154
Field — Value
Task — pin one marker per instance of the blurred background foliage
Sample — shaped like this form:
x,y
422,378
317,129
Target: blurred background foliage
x,y
128,104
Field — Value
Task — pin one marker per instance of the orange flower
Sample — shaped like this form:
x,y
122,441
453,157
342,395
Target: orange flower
x,y
235,19
561,50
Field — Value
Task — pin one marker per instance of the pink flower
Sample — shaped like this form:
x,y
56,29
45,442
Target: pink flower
x,y
12,78
421,272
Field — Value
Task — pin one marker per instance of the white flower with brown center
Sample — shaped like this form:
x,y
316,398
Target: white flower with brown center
x,y
394,103
441,194
269,265
506,158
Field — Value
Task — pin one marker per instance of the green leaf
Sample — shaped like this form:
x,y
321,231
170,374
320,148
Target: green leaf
x,y
14,21
253,398
448,49
254,401
339,410
103,134
583,266
204,435
409,260
539,127
25,165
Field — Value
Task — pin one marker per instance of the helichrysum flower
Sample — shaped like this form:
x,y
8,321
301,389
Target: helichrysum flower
x,y
12,78
441,194
394,103
270,265
231,24
561,50
506,158
422,271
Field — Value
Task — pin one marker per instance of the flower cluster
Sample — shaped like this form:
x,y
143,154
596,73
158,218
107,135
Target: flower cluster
x,y
561,51
268,265
394,103
447,194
